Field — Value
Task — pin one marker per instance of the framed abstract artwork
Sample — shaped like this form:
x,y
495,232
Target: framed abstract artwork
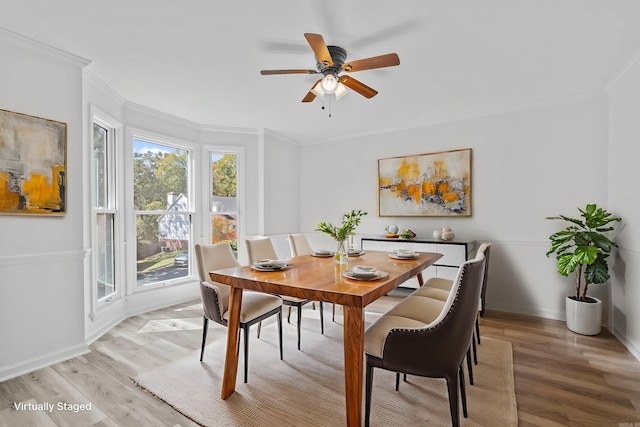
x,y
433,184
33,165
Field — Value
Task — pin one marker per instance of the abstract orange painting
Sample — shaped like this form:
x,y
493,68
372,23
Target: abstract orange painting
x,y
32,165
433,184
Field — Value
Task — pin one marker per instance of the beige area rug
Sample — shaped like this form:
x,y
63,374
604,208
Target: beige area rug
x,y
307,388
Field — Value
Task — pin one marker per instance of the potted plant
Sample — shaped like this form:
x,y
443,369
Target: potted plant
x,y
341,232
583,247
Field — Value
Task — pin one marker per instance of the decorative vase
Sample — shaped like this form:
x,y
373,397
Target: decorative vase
x,y
446,233
341,253
584,318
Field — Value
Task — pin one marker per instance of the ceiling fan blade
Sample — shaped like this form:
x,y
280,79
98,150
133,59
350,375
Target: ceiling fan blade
x,y
388,60
359,87
271,72
310,96
319,48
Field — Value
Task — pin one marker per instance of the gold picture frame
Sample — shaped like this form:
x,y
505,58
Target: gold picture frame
x,y
433,184
33,165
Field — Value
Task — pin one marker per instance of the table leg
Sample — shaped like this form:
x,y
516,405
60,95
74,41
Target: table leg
x,y
353,363
231,358
420,279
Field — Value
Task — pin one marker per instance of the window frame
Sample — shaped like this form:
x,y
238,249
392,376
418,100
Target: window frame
x,y
205,191
114,206
132,213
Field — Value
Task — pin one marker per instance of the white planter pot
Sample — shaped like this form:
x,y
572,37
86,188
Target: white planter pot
x,y
584,318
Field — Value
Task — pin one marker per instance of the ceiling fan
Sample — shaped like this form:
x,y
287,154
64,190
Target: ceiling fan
x,y
330,62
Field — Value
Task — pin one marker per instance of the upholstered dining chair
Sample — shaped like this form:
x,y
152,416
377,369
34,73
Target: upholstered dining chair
x,y
299,245
400,341
439,288
262,248
256,306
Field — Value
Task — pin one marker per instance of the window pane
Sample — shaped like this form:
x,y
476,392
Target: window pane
x,y
104,253
223,229
223,196
160,177
100,165
162,247
224,168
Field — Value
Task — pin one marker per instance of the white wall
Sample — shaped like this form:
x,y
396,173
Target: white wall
x,y
624,92
41,258
527,165
281,185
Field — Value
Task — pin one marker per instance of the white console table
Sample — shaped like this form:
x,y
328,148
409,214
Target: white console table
x,y
454,252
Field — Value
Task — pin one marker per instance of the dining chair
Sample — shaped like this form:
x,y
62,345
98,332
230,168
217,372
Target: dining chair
x,y
262,248
256,306
400,341
440,288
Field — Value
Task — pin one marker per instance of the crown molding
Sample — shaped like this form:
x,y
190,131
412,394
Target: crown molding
x,y
623,71
280,136
187,123
42,47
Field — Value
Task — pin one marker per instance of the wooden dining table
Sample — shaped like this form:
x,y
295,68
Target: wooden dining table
x,y
321,279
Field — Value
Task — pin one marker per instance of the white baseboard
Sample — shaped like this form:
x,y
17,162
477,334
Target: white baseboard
x,y
26,366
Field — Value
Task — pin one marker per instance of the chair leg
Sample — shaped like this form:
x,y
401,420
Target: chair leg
x,y
245,330
452,387
463,393
259,328
280,331
478,330
321,319
205,328
289,315
367,399
475,353
397,381
313,305
299,322
469,365
333,313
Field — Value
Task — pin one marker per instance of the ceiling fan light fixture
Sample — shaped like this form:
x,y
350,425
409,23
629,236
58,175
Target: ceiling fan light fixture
x,y
341,91
329,83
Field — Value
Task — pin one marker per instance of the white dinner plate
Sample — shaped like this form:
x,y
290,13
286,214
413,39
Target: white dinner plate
x,y
403,256
261,268
356,254
379,275
323,255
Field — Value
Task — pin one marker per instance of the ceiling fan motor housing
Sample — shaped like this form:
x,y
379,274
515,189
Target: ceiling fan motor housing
x,y
338,56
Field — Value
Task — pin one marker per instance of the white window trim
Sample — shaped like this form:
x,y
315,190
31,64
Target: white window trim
x,y
115,200
204,191
130,213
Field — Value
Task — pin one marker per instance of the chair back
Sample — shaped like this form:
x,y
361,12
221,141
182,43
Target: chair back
x,y
441,346
484,249
299,245
215,296
260,249
487,253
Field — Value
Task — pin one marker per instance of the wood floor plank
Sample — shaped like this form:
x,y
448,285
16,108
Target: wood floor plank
x,y
561,379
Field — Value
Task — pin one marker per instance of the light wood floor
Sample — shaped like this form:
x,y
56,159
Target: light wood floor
x,y
562,379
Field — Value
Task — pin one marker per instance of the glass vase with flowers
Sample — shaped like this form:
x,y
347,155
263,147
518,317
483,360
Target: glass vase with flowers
x,y
341,232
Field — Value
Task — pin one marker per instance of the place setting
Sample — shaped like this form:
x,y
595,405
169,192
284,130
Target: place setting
x,y
271,265
323,253
403,254
364,273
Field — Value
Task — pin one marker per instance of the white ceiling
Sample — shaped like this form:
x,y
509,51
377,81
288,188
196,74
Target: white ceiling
x,y
200,59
